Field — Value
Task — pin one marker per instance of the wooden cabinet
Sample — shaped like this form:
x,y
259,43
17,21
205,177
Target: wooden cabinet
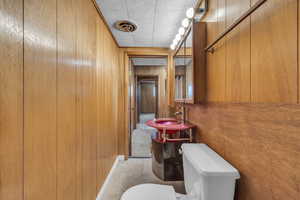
x,y
190,66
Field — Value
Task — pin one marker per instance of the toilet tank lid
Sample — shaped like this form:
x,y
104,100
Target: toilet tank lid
x,y
207,162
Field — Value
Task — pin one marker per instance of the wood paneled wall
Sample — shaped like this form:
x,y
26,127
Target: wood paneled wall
x,y
251,116
257,61
11,100
260,140
161,72
60,109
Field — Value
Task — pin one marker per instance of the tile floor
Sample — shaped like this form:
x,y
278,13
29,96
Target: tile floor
x,y
133,172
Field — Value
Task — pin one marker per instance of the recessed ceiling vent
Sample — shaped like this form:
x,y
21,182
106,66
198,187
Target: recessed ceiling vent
x,y
125,26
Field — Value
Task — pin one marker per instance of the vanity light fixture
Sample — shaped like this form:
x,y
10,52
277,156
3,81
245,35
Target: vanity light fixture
x,y
181,31
175,41
185,23
178,37
190,13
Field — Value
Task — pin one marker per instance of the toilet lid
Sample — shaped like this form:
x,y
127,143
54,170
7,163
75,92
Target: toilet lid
x,y
150,192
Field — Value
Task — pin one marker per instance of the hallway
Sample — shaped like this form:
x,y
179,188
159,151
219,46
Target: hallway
x,y
221,74
141,137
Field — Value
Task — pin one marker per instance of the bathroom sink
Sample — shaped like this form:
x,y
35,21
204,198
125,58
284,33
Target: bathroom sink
x,y
171,130
170,125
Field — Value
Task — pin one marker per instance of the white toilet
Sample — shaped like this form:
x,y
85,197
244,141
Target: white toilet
x,y
207,176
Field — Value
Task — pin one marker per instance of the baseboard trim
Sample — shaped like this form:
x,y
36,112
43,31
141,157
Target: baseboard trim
x,y
103,188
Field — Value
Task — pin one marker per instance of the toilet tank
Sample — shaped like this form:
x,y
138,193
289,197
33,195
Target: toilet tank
x,y
207,176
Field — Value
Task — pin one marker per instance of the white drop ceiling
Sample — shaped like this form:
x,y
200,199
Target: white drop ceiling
x,y
149,61
158,21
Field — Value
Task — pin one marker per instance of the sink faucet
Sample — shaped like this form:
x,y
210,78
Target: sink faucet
x,y
182,113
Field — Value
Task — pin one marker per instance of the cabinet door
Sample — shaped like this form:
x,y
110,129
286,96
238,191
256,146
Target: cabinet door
x,y
199,61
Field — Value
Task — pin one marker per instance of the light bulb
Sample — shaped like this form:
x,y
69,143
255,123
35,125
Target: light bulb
x,y
185,22
172,46
181,31
178,37
190,13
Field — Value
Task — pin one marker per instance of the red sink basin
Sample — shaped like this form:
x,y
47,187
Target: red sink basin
x,y
171,125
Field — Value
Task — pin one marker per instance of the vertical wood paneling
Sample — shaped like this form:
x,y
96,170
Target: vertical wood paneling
x,y
89,111
274,52
216,62
79,97
261,59
73,106
67,137
121,108
40,99
110,101
100,106
11,100
299,58
108,54
238,53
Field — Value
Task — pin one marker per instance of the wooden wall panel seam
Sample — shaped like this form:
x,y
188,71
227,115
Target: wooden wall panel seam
x,y
298,53
23,99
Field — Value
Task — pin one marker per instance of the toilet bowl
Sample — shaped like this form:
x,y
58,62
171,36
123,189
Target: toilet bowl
x,y
207,176
150,192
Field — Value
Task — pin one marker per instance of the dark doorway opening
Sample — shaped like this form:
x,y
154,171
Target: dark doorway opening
x,y
147,98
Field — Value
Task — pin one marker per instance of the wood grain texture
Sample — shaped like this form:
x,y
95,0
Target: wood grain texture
x,y
11,100
100,105
89,111
67,135
71,103
199,62
121,110
148,100
260,140
40,147
274,52
79,99
161,72
171,81
215,62
238,53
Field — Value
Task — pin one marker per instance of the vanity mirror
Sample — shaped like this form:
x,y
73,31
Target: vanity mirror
x,y
189,64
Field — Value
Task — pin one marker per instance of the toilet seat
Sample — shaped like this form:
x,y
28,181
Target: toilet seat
x,y
150,192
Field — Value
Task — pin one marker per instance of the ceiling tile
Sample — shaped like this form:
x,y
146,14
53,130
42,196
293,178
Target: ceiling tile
x,y
157,20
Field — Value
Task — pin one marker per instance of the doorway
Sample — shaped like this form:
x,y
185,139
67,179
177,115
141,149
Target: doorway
x,y
148,100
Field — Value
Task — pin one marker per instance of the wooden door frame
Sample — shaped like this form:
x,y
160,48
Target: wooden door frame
x,y
144,52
